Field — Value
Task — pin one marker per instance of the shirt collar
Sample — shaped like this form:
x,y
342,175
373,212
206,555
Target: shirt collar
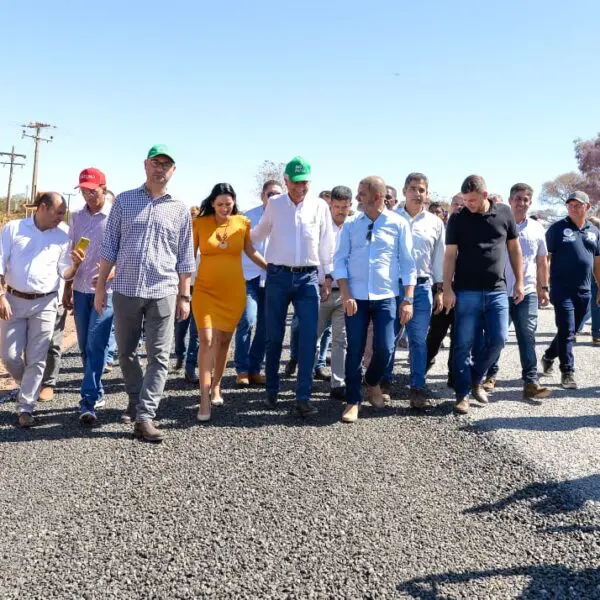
x,y
105,210
145,191
569,221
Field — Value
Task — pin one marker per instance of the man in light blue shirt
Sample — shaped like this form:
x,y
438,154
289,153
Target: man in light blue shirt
x,y
374,253
428,252
249,355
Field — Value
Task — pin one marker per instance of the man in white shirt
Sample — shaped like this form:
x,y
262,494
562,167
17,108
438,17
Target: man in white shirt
x,y
249,356
332,309
428,253
524,315
33,258
300,239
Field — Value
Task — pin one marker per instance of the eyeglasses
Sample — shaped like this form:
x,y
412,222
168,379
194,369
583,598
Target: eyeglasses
x,y
389,197
271,194
370,232
165,165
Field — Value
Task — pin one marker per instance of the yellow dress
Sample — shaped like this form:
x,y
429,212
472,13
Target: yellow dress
x,y
219,296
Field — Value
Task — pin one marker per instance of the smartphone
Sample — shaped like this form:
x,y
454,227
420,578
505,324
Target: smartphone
x,y
82,244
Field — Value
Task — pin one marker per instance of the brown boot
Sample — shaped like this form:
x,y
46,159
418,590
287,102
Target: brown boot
x,y
462,406
257,379
242,380
374,396
46,394
489,385
418,399
147,431
25,420
534,391
479,393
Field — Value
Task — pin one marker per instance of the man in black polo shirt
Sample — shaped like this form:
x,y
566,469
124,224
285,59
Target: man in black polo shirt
x,y
574,252
477,239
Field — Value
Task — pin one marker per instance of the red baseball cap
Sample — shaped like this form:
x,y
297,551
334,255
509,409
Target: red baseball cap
x,y
91,179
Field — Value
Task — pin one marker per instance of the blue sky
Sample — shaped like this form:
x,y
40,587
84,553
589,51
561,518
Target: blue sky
x,y
358,88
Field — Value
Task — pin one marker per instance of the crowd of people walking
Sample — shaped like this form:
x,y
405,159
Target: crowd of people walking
x,y
142,266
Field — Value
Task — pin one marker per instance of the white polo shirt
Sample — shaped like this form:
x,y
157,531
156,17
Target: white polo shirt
x,y
33,261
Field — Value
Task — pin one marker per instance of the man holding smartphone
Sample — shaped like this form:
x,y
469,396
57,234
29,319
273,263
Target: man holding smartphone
x,y
93,329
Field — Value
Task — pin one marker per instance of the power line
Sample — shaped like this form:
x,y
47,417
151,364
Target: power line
x,y
12,164
37,139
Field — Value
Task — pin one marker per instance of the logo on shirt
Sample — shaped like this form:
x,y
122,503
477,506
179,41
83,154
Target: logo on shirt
x,y
591,236
568,235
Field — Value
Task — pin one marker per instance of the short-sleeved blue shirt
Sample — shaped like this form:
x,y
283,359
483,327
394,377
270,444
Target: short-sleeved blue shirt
x,y
573,251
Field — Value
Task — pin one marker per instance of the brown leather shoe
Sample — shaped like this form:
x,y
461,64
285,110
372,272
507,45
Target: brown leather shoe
x,y
479,394
489,384
462,406
534,391
146,431
257,379
25,420
242,380
418,399
374,396
350,414
46,394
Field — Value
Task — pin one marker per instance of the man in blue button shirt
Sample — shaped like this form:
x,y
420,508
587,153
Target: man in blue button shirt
x,y
373,254
574,252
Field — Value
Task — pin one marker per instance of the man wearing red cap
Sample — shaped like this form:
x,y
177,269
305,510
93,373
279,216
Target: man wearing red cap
x,y
93,330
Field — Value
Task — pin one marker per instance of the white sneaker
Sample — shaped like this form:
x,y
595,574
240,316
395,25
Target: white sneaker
x,y
101,403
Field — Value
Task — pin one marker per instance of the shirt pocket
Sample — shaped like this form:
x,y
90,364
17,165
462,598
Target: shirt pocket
x,y
310,228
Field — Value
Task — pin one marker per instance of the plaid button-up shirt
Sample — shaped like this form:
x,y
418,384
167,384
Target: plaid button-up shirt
x,y
151,243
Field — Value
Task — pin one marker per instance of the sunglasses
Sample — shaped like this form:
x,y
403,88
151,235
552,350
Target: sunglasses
x,y
370,232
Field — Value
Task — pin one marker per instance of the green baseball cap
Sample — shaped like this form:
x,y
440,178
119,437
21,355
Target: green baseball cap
x,y
161,149
298,169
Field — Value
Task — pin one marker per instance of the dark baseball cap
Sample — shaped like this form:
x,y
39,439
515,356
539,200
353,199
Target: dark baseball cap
x,y
581,197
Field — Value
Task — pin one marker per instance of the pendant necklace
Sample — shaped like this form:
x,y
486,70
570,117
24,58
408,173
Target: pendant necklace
x,y
222,238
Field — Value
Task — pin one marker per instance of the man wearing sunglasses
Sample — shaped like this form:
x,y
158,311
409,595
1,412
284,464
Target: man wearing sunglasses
x,y
374,253
250,353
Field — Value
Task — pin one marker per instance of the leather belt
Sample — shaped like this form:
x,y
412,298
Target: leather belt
x,y
422,280
26,296
296,269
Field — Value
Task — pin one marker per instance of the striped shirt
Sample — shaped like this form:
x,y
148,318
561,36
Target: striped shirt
x,y
85,224
151,243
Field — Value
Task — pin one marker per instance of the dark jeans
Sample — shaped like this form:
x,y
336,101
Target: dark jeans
x,y
525,317
438,328
383,314
570,308
189,351
476,310
302,290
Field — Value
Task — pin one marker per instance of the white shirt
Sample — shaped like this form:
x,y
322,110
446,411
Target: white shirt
x,y
252,271
336,233
299,236
532,238
33,261
429,244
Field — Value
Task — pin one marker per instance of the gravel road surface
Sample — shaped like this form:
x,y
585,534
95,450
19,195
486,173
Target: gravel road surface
x,y
259,504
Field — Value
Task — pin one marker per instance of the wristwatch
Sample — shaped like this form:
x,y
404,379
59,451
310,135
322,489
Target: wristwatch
x,y
545,288
185,297
408,299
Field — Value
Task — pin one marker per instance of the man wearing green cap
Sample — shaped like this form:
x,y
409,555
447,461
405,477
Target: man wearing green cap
x,y
149,238
300,239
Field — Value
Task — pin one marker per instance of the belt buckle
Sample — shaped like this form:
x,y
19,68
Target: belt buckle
x,y
296,269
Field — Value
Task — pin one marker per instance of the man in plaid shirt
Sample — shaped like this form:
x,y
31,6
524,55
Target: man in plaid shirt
x,y
149,239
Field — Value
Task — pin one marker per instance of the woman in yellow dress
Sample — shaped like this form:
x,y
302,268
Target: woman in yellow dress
x,y
219,297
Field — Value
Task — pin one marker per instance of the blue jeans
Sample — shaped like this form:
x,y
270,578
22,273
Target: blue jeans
x,y
324,343
249,357
525,317
476,310
570,308
383,314
189,353
112,346
302,290
93,334
416,332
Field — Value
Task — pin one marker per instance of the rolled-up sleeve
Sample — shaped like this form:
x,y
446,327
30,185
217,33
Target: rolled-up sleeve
x,y
185,252
438,255
5,246
111,242
326,243
342,254
406,263
262,230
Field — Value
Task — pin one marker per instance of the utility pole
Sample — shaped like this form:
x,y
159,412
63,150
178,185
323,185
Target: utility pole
x,y
37,139
12,164
68,195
